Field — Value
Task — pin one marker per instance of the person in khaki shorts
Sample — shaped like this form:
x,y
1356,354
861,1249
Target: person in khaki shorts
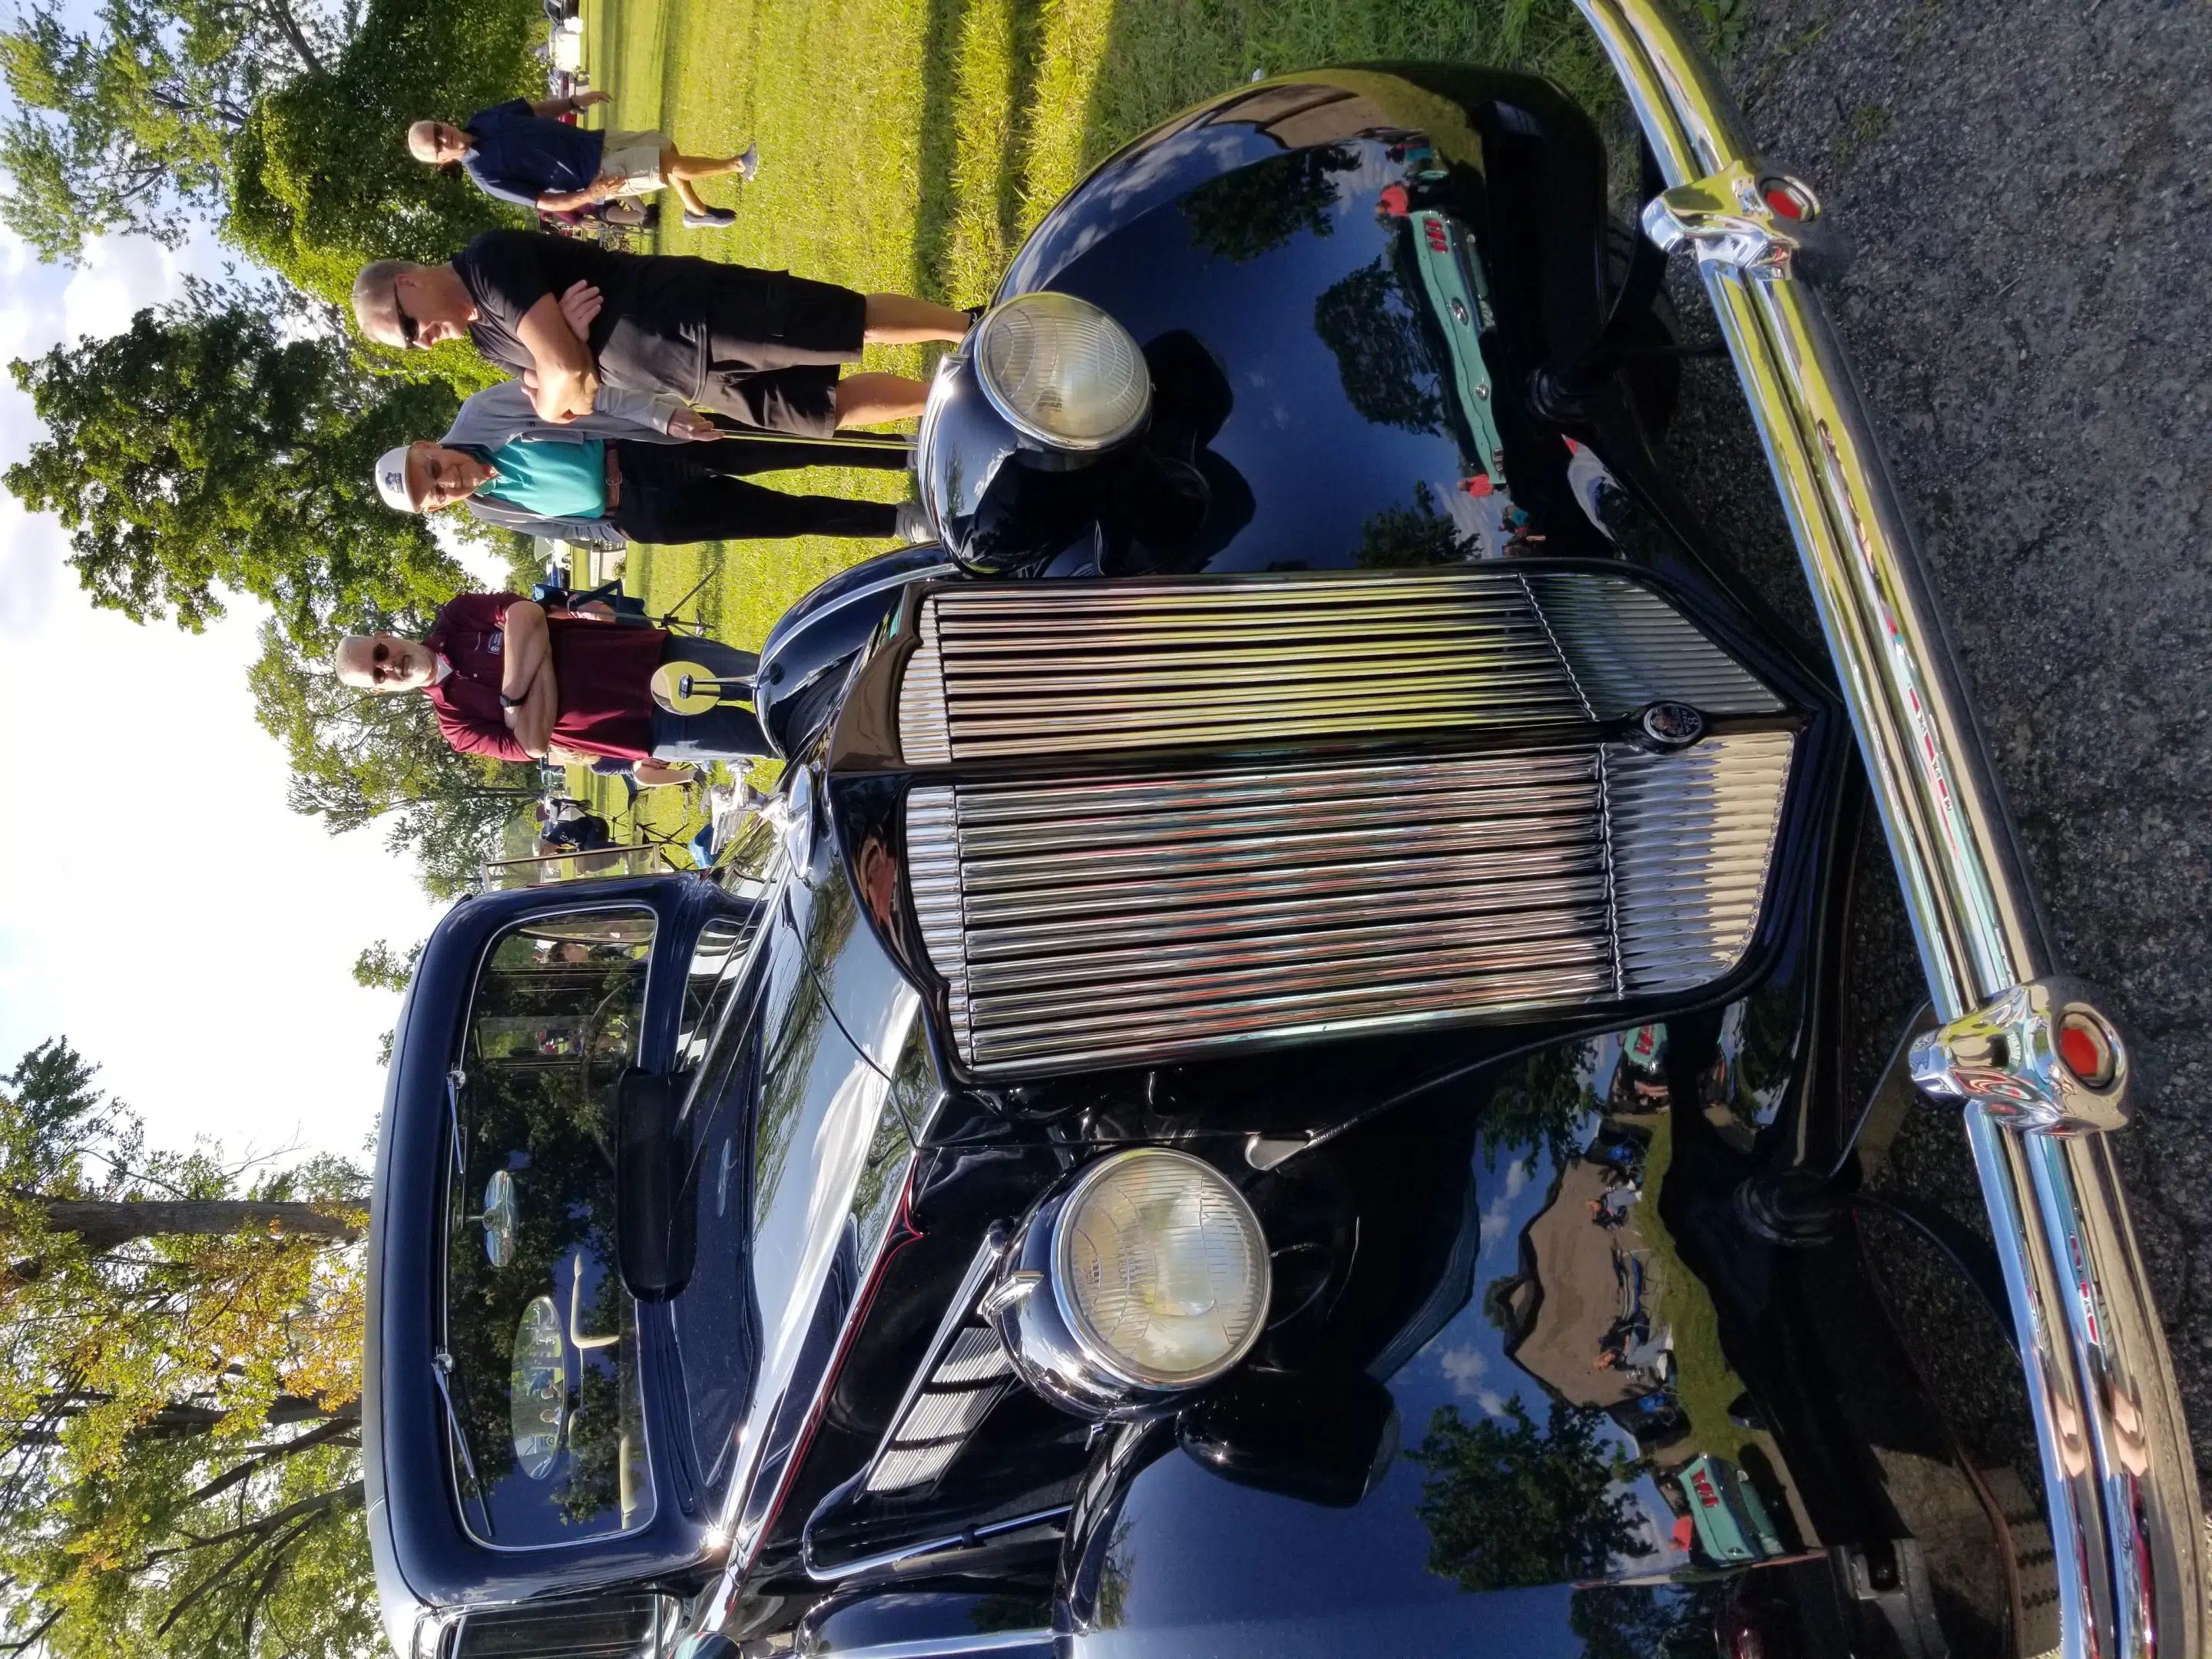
x,y
523,152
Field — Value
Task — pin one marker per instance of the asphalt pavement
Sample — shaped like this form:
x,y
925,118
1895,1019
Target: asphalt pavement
x,y
2027,184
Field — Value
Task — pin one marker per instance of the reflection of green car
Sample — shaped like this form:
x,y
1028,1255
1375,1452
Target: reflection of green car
x,y
1460,301
1731,1522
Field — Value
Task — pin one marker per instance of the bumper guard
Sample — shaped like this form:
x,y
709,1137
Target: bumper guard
x,y
2039,1066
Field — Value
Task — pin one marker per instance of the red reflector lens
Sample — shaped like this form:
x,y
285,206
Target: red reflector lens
x,y
2085,1055
1785,204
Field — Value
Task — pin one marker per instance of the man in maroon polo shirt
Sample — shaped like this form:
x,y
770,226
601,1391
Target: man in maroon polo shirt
x,y
512,681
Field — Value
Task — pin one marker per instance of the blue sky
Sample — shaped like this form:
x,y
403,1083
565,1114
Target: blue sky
x,y
158,903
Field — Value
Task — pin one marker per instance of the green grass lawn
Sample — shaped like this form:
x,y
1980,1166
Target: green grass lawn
x,y
908,145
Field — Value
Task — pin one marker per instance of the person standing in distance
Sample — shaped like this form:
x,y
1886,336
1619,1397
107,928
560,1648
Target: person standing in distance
x,y
523,152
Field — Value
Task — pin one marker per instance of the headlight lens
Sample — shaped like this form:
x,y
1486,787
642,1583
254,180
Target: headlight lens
x,y
1062,371
1160,1269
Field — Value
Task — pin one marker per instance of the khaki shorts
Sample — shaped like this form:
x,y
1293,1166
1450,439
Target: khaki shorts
x,y
636,157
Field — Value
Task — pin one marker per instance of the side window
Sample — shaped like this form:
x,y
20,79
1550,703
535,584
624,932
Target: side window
x,y
540,1336
716,962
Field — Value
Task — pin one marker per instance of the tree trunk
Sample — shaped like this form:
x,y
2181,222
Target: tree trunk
x,y
101,1225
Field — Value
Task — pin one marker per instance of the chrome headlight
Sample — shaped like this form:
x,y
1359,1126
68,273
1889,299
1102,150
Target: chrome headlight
x,y
1146,1278
1062,371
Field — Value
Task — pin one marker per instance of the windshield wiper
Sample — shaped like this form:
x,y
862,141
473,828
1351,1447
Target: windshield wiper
x,y
442,1363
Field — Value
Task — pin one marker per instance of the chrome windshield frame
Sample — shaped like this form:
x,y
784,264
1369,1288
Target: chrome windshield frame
x,y
2118,1472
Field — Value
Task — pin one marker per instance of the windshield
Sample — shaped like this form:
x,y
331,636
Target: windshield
x,y
541,1354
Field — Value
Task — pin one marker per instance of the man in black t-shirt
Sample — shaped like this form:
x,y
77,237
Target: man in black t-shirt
x,y
760,346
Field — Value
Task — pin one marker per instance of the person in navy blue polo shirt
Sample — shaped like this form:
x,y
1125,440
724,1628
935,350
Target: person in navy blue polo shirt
x,y
523,152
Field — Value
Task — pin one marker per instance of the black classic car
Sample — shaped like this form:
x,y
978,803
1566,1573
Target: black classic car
x,y
1274,1079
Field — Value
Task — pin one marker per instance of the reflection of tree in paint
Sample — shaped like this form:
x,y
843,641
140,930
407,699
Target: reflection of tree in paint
x,y
1111,1608
1256,210
1509,1504
1539,1105
1410,538
1381,356
1646,1621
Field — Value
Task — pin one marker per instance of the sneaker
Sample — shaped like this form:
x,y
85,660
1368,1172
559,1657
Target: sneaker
x,y
749,163
914,525
974,314
710,217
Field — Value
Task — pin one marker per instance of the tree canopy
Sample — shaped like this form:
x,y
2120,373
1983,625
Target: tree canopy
x,y
280,121
221,445
126,125
178,1401
1510,1505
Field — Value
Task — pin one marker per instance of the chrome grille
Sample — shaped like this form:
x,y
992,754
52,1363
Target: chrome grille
x,y
1691,835
1045,669
1121,920
939,1416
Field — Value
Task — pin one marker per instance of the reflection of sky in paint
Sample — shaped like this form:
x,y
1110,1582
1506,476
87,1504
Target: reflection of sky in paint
x,y
1358,1579
1466,1366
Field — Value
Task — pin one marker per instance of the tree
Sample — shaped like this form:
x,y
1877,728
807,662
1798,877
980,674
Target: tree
x,y
179,1372
1384,362
319,183
357,759
1508,1505
381,967
1258,209
208,449
1540,1105
126,126
1647,1621
1414,537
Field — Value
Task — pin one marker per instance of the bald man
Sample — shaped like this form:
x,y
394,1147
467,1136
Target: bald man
x,y
763,347
511,681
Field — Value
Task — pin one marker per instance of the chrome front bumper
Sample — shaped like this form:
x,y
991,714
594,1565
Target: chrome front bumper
x,y
2118,1466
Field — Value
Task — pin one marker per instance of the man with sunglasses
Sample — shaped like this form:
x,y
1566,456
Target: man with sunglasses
x,y
512,681
637,469
762,347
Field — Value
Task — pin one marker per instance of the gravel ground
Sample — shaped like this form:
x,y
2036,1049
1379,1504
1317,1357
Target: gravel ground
x,y
2027,183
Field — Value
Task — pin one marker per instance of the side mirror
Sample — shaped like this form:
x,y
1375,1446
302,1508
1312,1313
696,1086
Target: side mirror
x,y
654,1238
1325,1439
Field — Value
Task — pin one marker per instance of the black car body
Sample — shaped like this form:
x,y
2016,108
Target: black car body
x,y
1360,781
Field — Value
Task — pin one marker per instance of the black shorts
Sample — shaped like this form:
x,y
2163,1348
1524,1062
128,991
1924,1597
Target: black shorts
x,y
774,342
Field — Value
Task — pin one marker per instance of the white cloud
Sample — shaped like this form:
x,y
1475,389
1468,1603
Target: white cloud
x,y
1491,1401
162,907
1462,1366
1497,1219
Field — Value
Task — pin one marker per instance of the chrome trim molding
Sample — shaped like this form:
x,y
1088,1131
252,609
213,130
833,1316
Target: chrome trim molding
x,y
1103,921
1074,668
2125,1518
962,1375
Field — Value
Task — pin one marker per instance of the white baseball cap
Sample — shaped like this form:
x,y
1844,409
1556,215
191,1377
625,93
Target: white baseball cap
x,y
391,480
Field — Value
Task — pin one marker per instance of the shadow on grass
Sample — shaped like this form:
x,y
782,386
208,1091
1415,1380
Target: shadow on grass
x,y
1021,99
935,145
1162,56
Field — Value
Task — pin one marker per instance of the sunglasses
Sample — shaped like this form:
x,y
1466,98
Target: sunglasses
x,y
409,330
381,666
